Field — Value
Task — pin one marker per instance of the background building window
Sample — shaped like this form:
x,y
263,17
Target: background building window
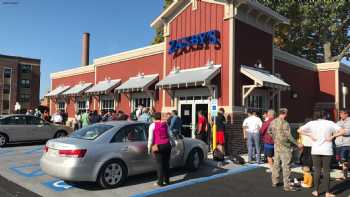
x,y
25,83
145,102
24,98
25,68
82,106
7,73
5,104
107,104
61,106
7,89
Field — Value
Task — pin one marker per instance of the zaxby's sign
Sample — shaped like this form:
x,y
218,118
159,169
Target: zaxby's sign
x,y
199,40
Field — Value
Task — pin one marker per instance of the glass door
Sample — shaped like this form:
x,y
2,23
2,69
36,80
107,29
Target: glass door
x,y
186,118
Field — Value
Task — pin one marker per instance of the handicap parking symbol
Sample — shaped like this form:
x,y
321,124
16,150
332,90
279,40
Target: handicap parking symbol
x,y
57,185
28,170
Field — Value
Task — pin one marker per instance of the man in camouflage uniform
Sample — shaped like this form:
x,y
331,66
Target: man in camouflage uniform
x,y
280,131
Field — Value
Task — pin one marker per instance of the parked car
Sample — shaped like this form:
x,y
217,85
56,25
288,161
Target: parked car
x,y
109,152
20,128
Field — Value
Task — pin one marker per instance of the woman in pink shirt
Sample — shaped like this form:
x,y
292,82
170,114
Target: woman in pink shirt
x,y
159,144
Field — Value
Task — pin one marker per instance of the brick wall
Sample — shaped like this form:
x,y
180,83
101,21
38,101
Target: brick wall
x,y
234,134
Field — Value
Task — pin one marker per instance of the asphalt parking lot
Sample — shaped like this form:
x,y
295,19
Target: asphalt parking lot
x,y
20,165
21,176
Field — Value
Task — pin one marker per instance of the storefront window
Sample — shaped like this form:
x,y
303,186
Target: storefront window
x,y
82,106
257,103
107,104
145,102
61,106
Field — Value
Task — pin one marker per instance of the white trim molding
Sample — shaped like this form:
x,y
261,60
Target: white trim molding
x,y
72,72
129,55
334,66
286,57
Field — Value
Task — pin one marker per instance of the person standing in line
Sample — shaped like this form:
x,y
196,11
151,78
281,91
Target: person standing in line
x,y
168,118
145,116
343,142
322,132
46,116
57,118
202,127
251,127
139,111
159,144
283,140
85,121
175,123
306,159
267,139
220,121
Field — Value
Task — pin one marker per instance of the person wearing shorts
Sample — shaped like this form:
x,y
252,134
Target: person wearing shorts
x,y
220,130
267,139
343,142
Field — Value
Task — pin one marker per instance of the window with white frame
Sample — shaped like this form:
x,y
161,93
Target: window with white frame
x,y
82,106
107,104
61,106
144,101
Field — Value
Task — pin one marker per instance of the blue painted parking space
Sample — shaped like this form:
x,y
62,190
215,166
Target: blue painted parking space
x,y
28,170
57,185
36,150
5,151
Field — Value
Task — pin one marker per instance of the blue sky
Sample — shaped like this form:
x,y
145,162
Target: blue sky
x,y
52,29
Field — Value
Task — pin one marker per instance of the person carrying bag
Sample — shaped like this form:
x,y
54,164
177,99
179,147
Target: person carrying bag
x,y
159,145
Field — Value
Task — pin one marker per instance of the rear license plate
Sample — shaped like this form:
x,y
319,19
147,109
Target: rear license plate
x,y
52,152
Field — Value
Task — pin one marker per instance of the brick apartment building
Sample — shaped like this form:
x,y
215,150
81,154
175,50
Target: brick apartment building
x,y
19,82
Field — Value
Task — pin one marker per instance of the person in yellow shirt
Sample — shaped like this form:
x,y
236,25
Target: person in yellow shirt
x,y
306,159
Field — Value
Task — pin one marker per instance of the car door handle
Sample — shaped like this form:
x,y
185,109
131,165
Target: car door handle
x,y
125,148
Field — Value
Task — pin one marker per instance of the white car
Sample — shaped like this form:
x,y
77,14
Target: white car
x,y
107,153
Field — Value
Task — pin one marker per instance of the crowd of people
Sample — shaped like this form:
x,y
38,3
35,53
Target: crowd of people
x,y
316,139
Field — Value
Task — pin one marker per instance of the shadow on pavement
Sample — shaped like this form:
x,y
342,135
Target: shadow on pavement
x,y
204,171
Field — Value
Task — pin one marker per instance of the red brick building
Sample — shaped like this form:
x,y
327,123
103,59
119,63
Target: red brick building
x,y
19,82
212,49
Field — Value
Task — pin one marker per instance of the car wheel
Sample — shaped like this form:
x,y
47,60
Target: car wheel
x,y
60,134
112,174
194,159
3,140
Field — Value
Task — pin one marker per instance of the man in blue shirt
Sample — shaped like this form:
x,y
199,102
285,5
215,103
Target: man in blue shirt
x,y
175,123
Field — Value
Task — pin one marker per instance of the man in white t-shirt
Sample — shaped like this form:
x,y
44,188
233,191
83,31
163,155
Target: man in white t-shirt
x,y
322,132
251,127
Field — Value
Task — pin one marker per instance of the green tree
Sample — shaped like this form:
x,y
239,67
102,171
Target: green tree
x,y
159,32
318,29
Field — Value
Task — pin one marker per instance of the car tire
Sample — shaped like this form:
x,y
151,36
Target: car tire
x,y
112,174
3,140
59,134
194,160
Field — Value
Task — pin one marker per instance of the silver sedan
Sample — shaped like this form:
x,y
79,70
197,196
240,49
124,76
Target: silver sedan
x,y
20,128
107,153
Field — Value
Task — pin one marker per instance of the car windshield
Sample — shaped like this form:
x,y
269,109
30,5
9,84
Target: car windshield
x,y
91,132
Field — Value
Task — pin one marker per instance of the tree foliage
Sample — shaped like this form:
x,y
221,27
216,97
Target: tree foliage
x,y
315,27
159,32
